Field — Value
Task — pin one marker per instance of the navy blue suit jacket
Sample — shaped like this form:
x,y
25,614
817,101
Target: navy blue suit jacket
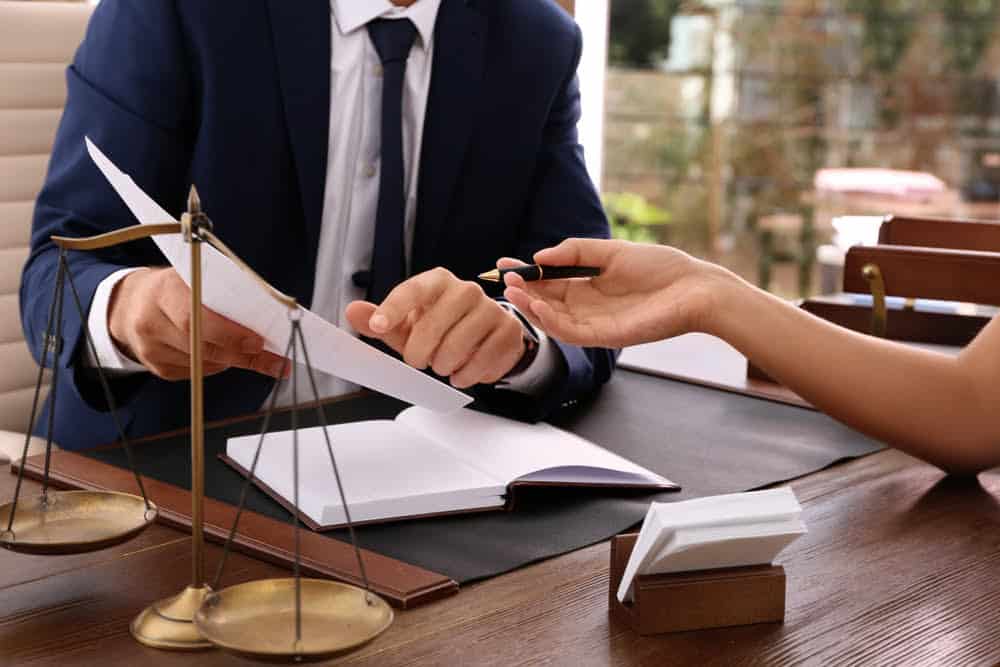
x,y
234,97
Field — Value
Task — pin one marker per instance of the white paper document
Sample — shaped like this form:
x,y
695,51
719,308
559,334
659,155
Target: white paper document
x,y
231,292
718,531
694,356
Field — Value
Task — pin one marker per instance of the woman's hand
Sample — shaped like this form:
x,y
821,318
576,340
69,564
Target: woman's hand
x,y
644,293
939,407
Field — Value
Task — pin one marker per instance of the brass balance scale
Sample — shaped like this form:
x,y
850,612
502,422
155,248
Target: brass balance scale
x,y
291,619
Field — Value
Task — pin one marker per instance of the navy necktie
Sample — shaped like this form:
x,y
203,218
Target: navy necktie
x,y
392,39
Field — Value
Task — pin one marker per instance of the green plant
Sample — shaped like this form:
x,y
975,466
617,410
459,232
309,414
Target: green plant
x,y
888,30
633,218
641,35
968,30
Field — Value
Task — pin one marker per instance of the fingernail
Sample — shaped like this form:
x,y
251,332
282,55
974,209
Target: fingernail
x,y
379,323
251,345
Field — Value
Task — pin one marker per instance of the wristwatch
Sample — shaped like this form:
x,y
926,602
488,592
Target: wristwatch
x,y
530,352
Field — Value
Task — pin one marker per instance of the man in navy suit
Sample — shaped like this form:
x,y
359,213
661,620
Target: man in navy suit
x,y
365,156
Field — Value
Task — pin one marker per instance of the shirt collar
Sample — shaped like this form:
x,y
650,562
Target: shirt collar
x,y
354,14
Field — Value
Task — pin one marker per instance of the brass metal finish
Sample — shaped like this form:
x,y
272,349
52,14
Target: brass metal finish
x,y
492,276
873,276
257,619
169,623
108,239
194,201
197,403
276,619
69,522
136,232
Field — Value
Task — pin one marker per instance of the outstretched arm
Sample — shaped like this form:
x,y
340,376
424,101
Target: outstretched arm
x,y
940,408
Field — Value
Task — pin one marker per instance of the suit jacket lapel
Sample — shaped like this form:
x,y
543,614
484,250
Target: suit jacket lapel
x,y
301,32
456,77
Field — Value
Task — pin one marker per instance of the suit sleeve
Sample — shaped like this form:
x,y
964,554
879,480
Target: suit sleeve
x,y
565,204
129,90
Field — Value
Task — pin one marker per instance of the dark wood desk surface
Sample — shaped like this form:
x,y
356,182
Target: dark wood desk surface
x,y
901,566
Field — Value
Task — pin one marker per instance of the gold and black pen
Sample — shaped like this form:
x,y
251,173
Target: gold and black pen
x,y
533,272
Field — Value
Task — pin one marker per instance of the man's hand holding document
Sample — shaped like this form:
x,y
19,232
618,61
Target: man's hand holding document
x,y
236,295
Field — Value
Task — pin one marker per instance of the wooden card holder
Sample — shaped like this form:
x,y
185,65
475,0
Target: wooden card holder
x,y
696,600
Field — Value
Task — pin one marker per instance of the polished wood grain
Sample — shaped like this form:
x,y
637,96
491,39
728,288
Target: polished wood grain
x,y
901,566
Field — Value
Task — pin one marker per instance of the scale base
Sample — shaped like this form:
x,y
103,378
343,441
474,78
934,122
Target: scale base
x,y
169,623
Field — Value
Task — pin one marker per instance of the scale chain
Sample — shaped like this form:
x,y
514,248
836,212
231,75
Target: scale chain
x,y
105,385
296,339
46,345
333,462
251,473
59,296
53,342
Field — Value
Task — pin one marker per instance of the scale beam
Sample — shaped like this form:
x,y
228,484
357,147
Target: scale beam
x,y
117,237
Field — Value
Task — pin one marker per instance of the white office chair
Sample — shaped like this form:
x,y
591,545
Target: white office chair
x,y
37,42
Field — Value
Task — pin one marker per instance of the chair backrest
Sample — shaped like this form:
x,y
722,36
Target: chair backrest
x,y
980,235
913,272
37,41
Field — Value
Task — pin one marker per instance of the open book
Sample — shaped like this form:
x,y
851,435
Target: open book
x,y
424,463
718,531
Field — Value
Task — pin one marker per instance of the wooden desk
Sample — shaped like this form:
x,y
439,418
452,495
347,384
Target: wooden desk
x,y
900,566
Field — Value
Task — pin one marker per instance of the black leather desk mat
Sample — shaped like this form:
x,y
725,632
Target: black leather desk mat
x,y
706,440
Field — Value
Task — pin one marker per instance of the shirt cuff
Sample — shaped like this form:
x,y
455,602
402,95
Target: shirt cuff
x,y
546,365
109,357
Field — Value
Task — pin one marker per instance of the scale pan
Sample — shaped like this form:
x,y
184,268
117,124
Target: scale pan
x,y
74,522
257,619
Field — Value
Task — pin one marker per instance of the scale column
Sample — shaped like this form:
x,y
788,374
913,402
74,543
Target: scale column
x,y
169,623
197,412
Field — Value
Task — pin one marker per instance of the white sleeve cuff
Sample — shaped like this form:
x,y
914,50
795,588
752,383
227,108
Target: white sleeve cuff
x,y
536,377
109,357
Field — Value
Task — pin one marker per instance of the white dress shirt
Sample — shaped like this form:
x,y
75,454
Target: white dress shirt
x,y
350,199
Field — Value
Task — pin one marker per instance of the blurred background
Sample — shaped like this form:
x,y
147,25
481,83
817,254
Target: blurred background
x,y
739,130
748,131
